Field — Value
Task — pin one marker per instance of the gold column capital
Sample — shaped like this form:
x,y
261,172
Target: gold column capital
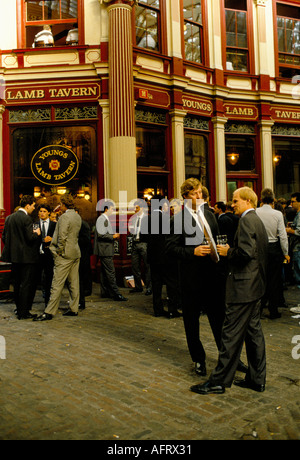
x,y
120,2
261,2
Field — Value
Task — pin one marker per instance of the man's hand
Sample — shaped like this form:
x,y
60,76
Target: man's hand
x,y
202,250
223,249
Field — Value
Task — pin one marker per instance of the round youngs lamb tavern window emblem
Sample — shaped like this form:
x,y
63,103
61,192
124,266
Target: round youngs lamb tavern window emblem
x,y
54,164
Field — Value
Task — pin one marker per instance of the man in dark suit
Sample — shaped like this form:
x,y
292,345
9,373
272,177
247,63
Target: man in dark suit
x,y
22,250
245,287
197,268
104,248
139,248
225,223
46,262
158,227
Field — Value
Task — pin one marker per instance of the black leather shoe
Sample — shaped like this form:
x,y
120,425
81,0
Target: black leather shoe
x,y
43,317
242,367
148,292
200,368
251,385
27,316
208,388
173,314
120,298
70,313
275,315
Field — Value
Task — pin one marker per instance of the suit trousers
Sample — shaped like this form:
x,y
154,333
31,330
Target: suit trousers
x,y
139,254
241,324
46,273
274,297
25,281
108,283
64,270
192,309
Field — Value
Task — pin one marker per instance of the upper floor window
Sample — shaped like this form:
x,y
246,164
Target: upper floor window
x,y
50,23
288,33
147,24
193,30
237,52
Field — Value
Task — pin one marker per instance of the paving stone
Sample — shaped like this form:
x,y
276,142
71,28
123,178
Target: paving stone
x,y
117,373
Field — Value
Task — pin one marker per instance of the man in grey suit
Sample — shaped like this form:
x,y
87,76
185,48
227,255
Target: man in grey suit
x,y
245,287
104,248
66,253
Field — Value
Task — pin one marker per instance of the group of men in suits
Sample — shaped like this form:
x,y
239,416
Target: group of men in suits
x,y
51,249
190,241
234,317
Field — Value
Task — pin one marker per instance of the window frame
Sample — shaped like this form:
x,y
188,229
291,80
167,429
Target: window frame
x,y
161,27
22,23
203,35
275,16
250,39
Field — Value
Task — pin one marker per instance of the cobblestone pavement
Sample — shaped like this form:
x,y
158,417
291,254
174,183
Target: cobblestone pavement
x,y
117,373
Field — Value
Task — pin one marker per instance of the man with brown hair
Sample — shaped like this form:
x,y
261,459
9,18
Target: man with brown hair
x,y
198,271
66,253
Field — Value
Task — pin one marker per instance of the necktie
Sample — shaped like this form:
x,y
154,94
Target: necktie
x,y
43,230
137,234
208,235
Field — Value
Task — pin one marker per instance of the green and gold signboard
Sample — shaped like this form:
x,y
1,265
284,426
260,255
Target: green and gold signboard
x,y
54,164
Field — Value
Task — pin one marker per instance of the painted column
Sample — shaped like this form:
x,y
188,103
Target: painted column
x,y
177,118
122,143
265,64
2,108
104,104
265,127
220,158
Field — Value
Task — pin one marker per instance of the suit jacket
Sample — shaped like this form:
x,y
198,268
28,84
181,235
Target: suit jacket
x,y
20,240
104,244
247,261
197,274
226,227
153,232
65,237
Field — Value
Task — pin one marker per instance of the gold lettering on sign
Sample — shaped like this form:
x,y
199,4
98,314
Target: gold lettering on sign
x,y
197,105
287,114
26,94
245,111
53,93
73,92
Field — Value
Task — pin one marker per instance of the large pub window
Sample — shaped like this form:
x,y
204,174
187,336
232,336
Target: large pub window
x,y
237,49
193,30
148,25
48,23
26,141
288,39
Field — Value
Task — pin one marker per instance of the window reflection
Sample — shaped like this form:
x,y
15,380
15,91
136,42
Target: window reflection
x,y
192,11
150,147
240,154
147,25
236,35
195,149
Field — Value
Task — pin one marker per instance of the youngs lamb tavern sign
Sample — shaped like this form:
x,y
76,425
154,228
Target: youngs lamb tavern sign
x,y
54,164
